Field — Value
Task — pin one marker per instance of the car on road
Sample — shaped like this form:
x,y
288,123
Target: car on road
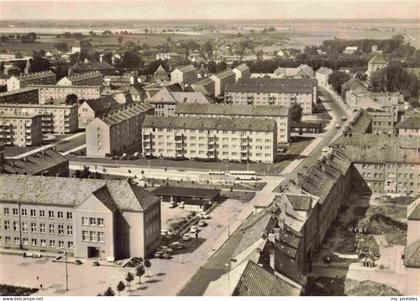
x,y
165,249
194,229
203,215
164,232
202,223
181,205
176,245
325,149
136,155
344,118
172,204
124,156
166,256
337,125
186,237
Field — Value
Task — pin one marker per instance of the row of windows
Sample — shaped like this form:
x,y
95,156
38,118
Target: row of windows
x,y
92,221
35,242
41,213
93,236
41,228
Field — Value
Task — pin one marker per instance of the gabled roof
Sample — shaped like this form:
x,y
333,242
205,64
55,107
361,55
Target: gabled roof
x,y
71,192
186,68
410,123
412,255
103,104
242,67
167,95
224,74
378,60
324,70
257,281
231,110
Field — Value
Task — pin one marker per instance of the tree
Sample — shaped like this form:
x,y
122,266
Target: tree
x,y
120,287
208,49
38,64
107,57
129,278
336,79
146,30
61,46
140,271
109,292
131,60
147,263
71,99
296,112
29,38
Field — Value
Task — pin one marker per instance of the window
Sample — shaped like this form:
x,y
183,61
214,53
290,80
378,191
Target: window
x,y
93,236
85,235
100,221
69,215
15,226
41,213
17,241
70,244
7,240
33,212
61,229
69,230
51,227
43,243
33,227
52,243
101,236
42,228
85,221
6,211
15,211
50,214
60,214
33,242
61,244
92,221
25,227
24,212
25,241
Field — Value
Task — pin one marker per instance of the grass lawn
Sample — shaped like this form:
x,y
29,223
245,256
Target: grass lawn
x,y
11,290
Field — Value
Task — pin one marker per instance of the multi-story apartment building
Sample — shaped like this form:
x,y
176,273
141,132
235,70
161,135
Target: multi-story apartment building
x,y
322,75
24,80
90,218
225,139
167,98
116,131
222,80
21,129
184,75
26,95
58,119
384,163
273,92
205,86
94,78
383,121
281,115
58,94
409,127
242,72
92,108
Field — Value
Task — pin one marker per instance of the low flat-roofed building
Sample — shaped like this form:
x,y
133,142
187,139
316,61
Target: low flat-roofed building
x,y
224,139
36,78
45,162
58,94
89,218
93,78
20,129
194,199
273,92
281,115
22,96
116,131
56,118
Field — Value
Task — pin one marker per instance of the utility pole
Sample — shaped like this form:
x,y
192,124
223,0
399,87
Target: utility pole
x,y
67,274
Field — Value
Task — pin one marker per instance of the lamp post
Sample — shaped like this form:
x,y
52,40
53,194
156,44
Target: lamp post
x,y
67,274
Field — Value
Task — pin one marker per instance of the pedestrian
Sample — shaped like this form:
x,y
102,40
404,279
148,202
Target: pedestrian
x,y
41,286
37,277
196,235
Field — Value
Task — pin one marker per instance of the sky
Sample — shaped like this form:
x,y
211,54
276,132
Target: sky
x,y
210,9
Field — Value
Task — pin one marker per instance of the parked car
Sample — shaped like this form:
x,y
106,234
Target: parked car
x,y
344,118
337,125
164,232
158,254
136,155
203,215
193,229
165,249
186,237
95,264
124,156
176,245
166,256
325,149
172,205
202,223
181,205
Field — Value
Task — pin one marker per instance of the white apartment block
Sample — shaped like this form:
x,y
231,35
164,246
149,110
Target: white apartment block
x,y
20,129
273,92
37,78
94,78
242,72
281,115
58,119
117,131
184,75
54,93
221,80
216,139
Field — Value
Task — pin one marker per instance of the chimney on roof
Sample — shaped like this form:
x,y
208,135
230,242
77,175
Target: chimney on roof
x,y
272,258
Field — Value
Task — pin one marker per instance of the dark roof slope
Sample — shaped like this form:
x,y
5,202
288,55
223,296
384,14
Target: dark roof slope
x,y
230,109
273,85
103,104
186,191
410,123
412,255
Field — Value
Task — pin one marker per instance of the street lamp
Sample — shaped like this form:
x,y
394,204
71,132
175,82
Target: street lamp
x,y
67,274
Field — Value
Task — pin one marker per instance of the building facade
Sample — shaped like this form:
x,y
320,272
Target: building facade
x,y
58,119
94,78
92,108
242,72
22,96
274,92
205,86
86,217
24,80
21,130
222,80
54,93
239,140
116,131
184,75
409,127
375,64
281,115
